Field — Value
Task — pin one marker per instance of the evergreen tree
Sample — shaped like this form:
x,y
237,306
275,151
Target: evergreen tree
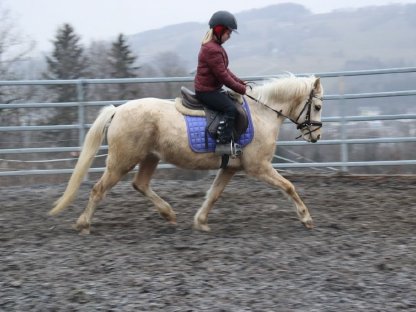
x,y
67,62
122,59
122,63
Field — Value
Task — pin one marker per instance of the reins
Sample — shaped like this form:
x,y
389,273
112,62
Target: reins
x,y
279,113
305,124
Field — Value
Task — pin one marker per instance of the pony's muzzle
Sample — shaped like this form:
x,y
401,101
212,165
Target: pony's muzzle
x,y
314,140
311,131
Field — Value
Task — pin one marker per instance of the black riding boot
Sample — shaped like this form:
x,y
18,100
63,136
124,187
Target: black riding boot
x,y
225,131
225,142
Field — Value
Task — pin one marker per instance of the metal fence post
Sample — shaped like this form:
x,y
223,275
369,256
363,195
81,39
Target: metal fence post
x,y
81,111
344,146
81,114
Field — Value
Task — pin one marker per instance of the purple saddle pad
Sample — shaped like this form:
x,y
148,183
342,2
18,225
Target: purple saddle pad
x,y
196,133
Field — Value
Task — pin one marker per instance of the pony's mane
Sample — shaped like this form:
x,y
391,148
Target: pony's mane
x,y
284,89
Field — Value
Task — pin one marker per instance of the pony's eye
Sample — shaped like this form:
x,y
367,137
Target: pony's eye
x,y
317,108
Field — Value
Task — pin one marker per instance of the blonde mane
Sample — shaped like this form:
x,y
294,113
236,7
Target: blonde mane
x,y
285,89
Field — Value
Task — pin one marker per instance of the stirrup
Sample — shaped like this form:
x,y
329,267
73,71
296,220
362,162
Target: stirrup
x,y
232,149
236,150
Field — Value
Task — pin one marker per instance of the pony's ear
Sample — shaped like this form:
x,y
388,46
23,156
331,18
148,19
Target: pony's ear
x,y
317,85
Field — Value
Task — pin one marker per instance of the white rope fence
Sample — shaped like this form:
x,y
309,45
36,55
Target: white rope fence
x,y
46,160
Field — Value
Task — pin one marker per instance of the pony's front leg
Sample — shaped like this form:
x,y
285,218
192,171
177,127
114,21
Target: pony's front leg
x,y
269,175
217,187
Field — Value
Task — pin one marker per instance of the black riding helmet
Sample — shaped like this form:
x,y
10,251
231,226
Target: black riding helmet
x,y
223,18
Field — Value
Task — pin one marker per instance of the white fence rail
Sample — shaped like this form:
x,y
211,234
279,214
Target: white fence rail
x,y
342,120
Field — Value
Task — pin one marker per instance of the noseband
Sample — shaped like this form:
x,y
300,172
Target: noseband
x,y
307,123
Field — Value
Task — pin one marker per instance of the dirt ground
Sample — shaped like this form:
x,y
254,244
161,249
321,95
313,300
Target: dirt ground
x,y
361,256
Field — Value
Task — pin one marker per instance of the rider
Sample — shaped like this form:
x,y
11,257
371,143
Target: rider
x,y
213,73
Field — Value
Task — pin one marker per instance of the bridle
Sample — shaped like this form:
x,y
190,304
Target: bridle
x,y
307,123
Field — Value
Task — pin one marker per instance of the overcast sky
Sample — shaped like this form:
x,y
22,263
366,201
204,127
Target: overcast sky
x,y
105,19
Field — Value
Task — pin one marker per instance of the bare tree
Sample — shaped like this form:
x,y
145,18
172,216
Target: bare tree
x,y
99,67
169,64
14,49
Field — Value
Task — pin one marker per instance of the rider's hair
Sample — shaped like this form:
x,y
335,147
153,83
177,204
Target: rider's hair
x,y
208,36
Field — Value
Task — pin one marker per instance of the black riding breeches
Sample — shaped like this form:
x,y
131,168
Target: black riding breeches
x,y
218,101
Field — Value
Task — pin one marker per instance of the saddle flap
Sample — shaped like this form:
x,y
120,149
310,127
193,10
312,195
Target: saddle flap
x,y
241,122
189,101
201,142
214,118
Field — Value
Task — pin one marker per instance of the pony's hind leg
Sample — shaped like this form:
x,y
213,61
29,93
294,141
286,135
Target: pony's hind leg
x,y
106,182
142,184
269,175
220,182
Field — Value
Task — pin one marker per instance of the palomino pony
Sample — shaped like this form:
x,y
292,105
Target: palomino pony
x,y
143,132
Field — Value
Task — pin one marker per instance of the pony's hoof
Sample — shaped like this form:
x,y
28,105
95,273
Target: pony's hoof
x,y
202,227
85,232
308,224
82,229
170,217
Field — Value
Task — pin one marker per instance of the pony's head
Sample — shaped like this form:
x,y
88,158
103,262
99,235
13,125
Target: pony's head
x,y
298,99
308,112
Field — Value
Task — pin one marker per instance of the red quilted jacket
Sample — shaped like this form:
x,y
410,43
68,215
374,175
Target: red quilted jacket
x,y
212,72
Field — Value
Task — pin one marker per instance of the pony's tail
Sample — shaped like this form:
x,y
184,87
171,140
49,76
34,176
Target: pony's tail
x,y
91,145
